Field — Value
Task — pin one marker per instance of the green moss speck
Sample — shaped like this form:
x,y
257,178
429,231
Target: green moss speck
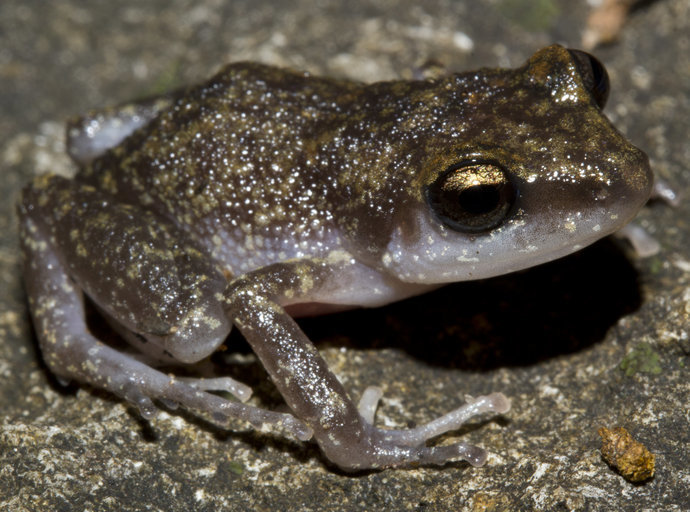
x,y
641,359
235,467
656,265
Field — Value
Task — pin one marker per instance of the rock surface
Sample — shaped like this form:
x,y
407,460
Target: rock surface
x,y
597,339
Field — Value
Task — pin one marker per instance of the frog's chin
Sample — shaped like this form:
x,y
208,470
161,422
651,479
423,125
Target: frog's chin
x,y
437,254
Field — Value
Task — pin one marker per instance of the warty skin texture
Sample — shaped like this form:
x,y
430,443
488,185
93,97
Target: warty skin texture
x,y
266,193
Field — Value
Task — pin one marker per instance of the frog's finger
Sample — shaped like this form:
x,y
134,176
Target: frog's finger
x,y
496,403
369,402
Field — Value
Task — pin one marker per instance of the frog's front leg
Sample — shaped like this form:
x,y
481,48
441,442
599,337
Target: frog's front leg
x,y
314,393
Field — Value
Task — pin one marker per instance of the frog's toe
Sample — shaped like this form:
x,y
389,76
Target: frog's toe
x,y
236,388
369,402
439,455
497,403
143,403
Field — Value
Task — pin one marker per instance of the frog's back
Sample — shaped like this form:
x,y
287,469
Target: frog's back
x,y
234,160
236,120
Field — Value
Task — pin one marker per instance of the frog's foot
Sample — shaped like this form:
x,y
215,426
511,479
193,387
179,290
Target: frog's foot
x,y
375,448
663,191
205,376
416,437
151,385
644,244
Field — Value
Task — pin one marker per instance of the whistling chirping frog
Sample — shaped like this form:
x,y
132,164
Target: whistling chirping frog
x,y
265,194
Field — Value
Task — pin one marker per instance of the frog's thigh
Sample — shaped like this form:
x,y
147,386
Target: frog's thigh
x,y
72,352
139,269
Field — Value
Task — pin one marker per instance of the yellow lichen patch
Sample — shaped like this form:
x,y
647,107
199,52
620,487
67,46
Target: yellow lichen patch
x,y
631,458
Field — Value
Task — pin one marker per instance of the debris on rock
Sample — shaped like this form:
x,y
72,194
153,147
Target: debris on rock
x,y
632,459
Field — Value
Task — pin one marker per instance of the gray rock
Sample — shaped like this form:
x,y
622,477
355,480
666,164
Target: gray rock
x,y
597,339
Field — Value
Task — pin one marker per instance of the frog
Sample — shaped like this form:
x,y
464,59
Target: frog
x,y
264,194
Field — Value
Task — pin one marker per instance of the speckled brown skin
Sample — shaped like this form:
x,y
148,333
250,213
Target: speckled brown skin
x,y
265,193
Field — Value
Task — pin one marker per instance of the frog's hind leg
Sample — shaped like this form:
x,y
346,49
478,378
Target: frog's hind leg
x,y
73,353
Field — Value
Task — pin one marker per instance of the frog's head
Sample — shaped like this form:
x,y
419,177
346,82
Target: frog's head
x,y
533,171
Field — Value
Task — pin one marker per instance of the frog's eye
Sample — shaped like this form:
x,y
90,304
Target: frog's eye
x,y
593,74
472,197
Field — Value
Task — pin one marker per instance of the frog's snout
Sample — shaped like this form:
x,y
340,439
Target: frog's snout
x,y
618,199
635,183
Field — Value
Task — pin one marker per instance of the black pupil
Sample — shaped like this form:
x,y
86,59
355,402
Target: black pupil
x,y
472,197
479,199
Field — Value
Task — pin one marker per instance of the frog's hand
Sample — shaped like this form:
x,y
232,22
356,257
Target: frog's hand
x,y
314,393
495,402
73,353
